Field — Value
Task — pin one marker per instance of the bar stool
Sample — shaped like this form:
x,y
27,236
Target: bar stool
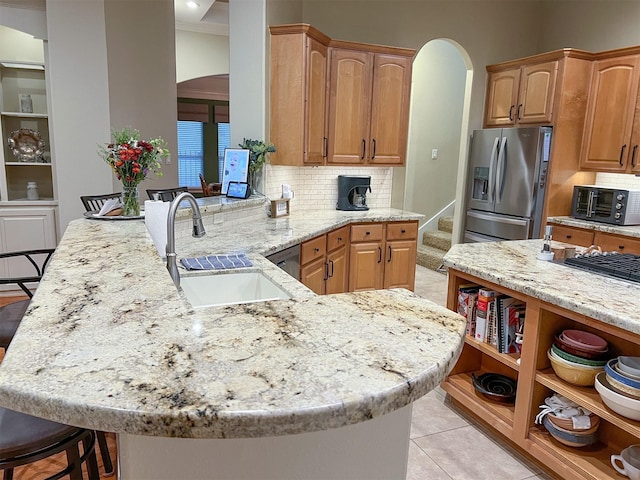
x,y
11,315
26,439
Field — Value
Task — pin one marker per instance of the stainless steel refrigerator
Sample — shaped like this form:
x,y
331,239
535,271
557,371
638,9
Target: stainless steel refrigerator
x,y
507,183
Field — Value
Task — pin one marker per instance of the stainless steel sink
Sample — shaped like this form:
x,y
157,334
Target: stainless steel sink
x,y
230,288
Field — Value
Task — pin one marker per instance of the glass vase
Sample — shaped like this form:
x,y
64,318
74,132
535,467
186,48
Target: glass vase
x,y
130,201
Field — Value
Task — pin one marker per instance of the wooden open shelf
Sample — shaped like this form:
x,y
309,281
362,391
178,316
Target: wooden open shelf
x,y
498,415
536,381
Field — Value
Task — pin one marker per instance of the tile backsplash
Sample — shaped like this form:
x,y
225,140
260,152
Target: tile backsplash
x,y
317,187
618,180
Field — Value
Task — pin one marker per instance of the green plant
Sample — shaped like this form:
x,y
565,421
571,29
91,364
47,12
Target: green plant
x,y
258,153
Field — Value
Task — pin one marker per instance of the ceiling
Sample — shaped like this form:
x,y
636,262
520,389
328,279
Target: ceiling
x,y
210,16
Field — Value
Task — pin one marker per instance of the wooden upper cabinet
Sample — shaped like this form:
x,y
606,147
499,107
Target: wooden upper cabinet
x,y
298,95
502,95
349,106
607,142
522,95
390,109
336,102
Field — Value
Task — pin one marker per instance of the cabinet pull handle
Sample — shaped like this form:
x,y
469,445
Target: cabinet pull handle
x,y
331,263
379,254
326,271
633,155
622,152
364,147
511,112
518,113
374,149
389,259
326,147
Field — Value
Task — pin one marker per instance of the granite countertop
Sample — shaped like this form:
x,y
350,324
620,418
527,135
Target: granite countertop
x,y
513,265
630,231
109,343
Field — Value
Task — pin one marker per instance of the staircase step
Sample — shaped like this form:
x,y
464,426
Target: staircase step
x,y
437,239
445,224
430,257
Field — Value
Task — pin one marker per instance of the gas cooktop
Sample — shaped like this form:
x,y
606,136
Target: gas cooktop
x,y
620,265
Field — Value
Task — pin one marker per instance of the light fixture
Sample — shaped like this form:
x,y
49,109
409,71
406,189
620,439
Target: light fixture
x,y
192,4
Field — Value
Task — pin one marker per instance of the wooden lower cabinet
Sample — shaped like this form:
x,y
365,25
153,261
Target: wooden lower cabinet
x,y
617,243
536,381
324,262
572,235
383,255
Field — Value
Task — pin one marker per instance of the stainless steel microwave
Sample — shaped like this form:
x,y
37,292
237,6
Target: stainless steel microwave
x,y
606,205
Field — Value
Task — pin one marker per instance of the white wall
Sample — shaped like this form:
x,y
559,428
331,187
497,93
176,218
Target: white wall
x,y
437,92
200,55
19,46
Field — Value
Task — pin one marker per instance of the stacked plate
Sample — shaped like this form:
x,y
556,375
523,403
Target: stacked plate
x,y
578,356
619,386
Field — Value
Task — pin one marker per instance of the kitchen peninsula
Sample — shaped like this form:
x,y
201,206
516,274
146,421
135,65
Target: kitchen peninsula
x,y
556,297
313,387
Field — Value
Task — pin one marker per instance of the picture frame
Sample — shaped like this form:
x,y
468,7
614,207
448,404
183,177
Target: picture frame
x,y
280,207
235,167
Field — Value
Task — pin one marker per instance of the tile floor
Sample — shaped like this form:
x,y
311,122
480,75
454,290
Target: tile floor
x,y
445,445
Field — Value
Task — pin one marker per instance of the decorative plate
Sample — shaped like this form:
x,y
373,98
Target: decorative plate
x,y
93,215
26,144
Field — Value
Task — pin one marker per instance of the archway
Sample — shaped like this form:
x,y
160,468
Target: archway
x,y
438,133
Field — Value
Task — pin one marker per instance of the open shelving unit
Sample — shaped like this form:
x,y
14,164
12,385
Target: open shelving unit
x,y
536,381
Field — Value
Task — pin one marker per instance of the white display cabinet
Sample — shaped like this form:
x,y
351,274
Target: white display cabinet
x,y
25,81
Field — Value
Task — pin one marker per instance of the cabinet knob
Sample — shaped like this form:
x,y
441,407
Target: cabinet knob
x,y
367,233
316,249
339,239
568,236
620,247
403,231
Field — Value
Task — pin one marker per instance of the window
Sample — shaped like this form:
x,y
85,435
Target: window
x,y
224,139
190,153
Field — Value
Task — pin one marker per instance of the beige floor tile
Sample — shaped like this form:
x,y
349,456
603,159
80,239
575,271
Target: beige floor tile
x,y
421,467
431,285
468,454
431,415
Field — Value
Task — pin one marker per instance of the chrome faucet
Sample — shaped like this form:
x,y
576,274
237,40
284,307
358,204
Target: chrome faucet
x,y
198,231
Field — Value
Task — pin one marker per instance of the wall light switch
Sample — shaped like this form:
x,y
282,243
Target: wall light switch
x,y
434,154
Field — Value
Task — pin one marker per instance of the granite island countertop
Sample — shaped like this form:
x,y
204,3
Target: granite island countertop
x,y
513,264
109,343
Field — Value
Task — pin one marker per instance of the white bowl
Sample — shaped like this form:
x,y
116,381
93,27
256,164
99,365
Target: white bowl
x,y
621,404
630,365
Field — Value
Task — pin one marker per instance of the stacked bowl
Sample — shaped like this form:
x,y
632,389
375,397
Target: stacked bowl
x,y
567,422
619,386
578,356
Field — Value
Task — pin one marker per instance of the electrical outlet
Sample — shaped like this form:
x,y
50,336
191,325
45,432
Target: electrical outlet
x,y
434,154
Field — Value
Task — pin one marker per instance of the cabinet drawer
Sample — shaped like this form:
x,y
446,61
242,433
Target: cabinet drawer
x,y
312,249
337,238
402,231
575,236
367,232
611,243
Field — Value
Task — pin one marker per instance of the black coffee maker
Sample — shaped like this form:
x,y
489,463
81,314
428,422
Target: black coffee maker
x,y
352,192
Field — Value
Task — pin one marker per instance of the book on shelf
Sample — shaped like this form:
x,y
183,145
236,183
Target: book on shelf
x,y
467,297
485,297
507,311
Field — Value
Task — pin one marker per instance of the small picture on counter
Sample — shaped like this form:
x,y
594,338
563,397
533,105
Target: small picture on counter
x,y
235,167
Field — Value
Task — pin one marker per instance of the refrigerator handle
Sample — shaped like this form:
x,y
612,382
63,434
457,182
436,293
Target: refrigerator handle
x,y
500,170
494,154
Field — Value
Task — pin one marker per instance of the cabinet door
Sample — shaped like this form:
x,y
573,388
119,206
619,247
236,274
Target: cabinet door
x,y
366,266
610,112
400,264
389,109
634,160
502,94
25,229
315,140
536,93
337,269
574,236
617,243
349,106
313,275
